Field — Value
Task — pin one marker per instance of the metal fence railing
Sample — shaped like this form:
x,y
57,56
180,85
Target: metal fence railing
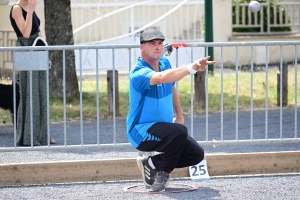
x,y
279,134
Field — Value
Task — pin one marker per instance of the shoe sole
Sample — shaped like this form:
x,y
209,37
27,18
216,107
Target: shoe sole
x,y
166,185
157,190
140,165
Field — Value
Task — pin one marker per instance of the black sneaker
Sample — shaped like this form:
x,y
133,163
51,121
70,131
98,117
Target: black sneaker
x,y
148,173
161,182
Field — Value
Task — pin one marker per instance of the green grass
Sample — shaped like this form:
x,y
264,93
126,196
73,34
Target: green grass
x,y
214,96
244,91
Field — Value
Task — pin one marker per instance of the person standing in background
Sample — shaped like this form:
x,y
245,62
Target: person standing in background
x,y
26,24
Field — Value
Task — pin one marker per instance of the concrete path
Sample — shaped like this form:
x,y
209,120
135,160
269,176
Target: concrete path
x,y
275,187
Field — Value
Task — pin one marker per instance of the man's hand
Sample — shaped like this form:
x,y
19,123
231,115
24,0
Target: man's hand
x,y
179,120
200,65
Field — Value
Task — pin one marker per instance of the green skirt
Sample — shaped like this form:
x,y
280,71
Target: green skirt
x,y
39,105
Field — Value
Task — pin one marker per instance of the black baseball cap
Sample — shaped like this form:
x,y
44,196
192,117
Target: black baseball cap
x,y
151,34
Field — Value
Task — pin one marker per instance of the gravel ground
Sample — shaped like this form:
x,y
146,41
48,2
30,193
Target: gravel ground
x,y
275,187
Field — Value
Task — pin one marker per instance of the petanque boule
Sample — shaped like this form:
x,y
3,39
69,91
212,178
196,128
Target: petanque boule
x,y
254,6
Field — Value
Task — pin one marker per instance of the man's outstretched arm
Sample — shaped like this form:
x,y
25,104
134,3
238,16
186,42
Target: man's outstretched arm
x,y
174,75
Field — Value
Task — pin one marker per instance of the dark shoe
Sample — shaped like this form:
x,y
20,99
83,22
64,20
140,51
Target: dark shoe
x,y
52,141
161,182
148,173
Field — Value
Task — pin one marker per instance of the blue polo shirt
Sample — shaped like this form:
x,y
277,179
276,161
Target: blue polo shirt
x,y
148,103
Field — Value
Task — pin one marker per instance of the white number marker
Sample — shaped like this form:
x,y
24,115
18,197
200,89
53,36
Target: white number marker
x,y
199,171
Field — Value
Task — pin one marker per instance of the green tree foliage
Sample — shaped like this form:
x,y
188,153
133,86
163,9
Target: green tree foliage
x,y
259,15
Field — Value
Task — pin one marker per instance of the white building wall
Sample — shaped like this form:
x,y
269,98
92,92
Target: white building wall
x,y
222,28
223,33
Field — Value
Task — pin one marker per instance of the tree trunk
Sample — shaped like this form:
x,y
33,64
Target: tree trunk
x,y
59,31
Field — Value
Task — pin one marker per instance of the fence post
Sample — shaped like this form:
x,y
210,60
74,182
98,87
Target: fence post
x,y
209,32
199,79
284,86
110,89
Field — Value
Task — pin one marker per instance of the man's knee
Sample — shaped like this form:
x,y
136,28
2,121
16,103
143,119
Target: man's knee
x,y
182,131
199,156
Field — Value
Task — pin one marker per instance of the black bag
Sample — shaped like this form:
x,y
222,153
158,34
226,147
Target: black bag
x,y
39,41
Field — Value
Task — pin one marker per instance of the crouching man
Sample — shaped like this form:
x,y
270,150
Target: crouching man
x,y
153,103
